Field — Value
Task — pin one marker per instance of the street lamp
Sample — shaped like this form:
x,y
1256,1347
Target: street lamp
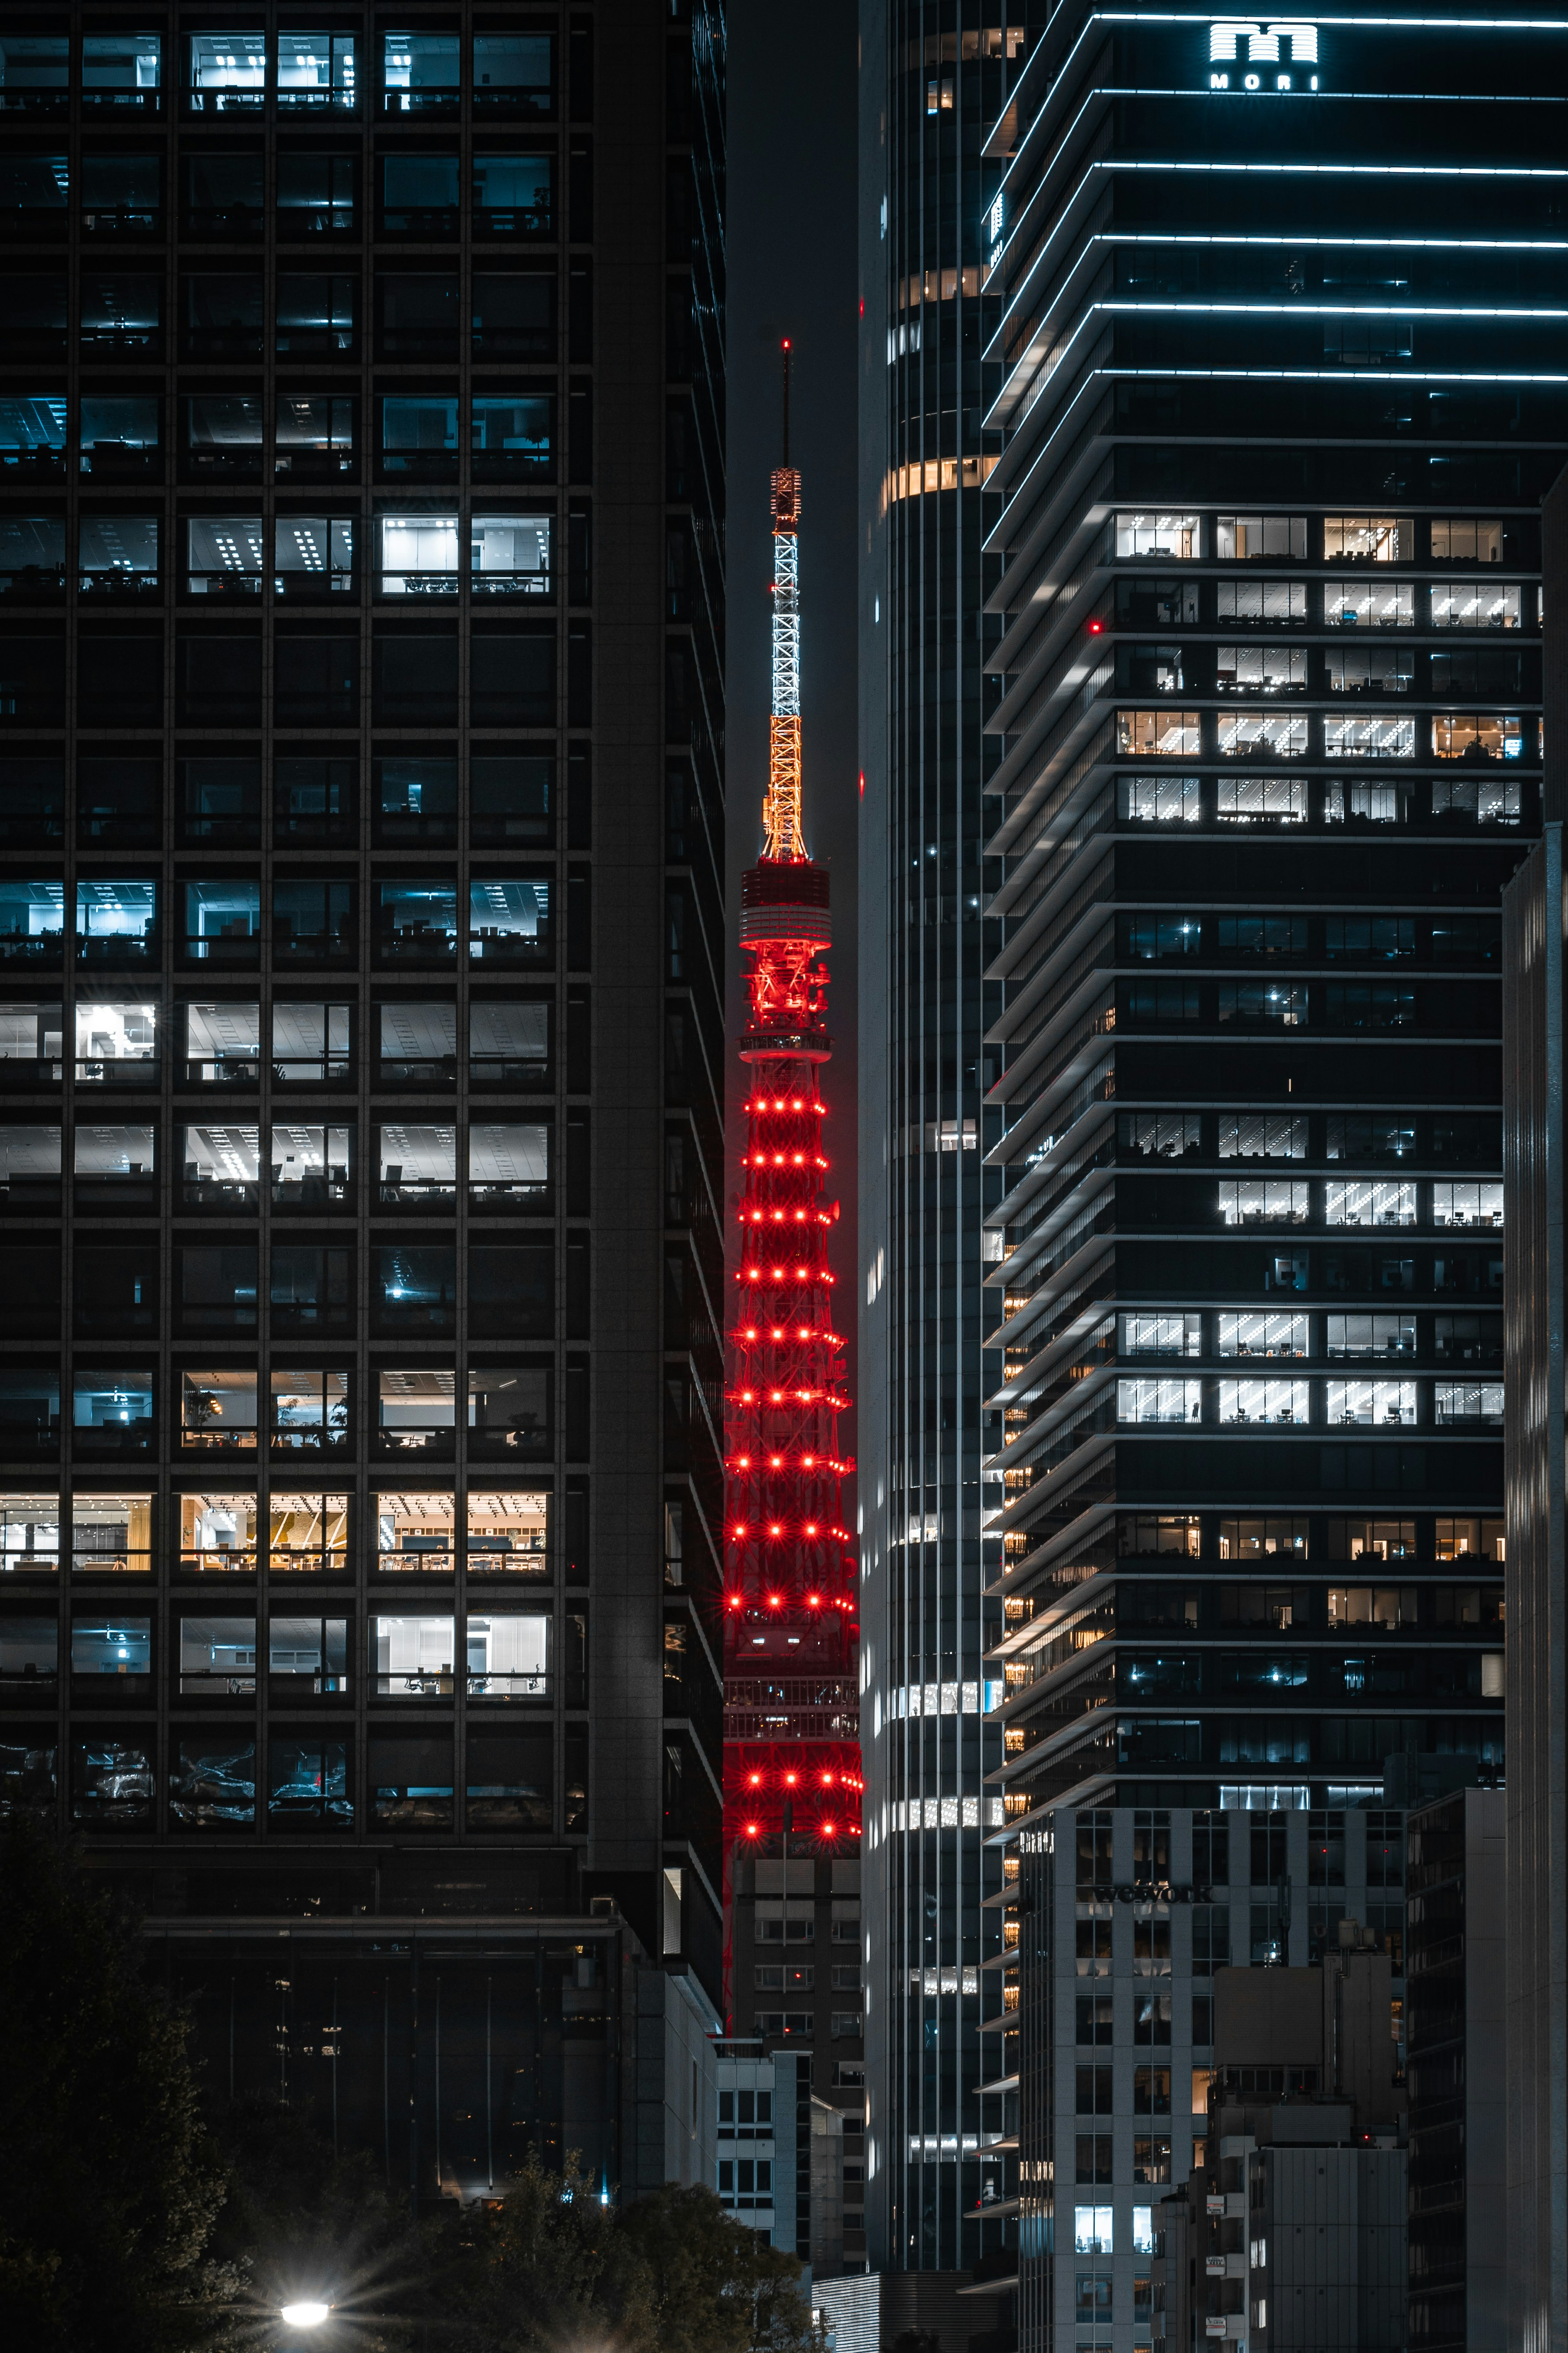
x,y
306,2316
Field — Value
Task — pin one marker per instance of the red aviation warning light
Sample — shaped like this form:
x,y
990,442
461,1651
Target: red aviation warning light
x,y
791,1585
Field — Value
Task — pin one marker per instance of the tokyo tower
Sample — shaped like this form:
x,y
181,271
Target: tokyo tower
x,y
792,1755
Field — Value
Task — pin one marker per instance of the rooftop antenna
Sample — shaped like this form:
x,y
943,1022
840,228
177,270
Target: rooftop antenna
x,y
786,400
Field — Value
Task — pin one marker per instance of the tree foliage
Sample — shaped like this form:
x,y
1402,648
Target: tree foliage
x,y
113,2182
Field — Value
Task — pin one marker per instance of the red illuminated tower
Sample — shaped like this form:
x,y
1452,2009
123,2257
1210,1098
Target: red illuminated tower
x,y
791,1757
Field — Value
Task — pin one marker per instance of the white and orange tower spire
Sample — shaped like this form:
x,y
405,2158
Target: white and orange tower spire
x,y
791,1757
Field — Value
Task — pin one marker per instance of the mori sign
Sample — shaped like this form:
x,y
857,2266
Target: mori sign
x,y
1237,42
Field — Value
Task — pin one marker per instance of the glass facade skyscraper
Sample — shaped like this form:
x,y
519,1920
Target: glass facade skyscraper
x,y
930,92
1282,345
361,1052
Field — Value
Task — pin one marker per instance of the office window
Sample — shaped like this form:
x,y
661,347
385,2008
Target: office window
x,y
112,1163
225,73
512,313
1476,800
1260,670
510,800
313,1648
508,1165
507,1532
311,1040
222,921
316,73
313,919
116,1645
32,803
1262,1335
1369,670
1247,735
1261,800
34,74
1365,1404
121,195
511,1290
122,73
419,440
116,921
1278,604
222,317
1368,539
416,1042
1262,1135
1264,1201
1370,1136
308,1533
1464,539
411,1658
32,921
417,921
1368,1005
1157,1136
222,1168
310,1412
513,73
413,1532
217,1658
421,73
413,1288
418,1167
509,1419
316,194
315,801
1160,800
30,1168
1368,1201
223,1045
1369,605
1388,1606
507,1655
510,920
1476,604
316,678
510,1778
1477,735
1168,734
1369,1336
1244,1402
1159,1400
111,1784
1161,1335
1465,1539
224,193
510,555
511,438
308,1783
415,1413
1244,538
310,1165
512,197
1140,535
1474,1402
218,1534
418,315
1380,1540
217,1412
418,555
508,1043
212,1783
415,800
30,1535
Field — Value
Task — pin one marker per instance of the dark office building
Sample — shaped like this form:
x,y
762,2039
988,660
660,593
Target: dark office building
x,y
1282,344
1456,1961
939,2147
1535,1316
361,821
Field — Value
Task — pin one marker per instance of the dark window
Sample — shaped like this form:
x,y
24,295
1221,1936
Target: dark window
x,y
215,1286
119,803
411,1783
509,1416
29,1415
33,682
512,437
221,315
33,192
509,1780
121,195
417,316
419,195
418,438
111,1784
512,195
32,803
513,315
512,1289
512,677
415,1287
315,681
415,800
116,1286
315,194
224,193
315,800
212,1783
111,1413
220,678
313,918
220,800
414,680
509,800
311,1287
308,1783
317,315
121,314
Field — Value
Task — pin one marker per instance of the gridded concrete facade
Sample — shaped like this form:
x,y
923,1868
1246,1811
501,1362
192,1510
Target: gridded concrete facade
x,y
360,819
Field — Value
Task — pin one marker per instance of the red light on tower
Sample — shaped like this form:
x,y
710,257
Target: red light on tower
x,y
790,1575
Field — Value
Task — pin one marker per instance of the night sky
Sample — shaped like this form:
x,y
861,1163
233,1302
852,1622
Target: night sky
x,y
791,272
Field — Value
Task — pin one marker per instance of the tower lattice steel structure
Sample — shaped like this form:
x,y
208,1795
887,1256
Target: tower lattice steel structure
x,y
792,1755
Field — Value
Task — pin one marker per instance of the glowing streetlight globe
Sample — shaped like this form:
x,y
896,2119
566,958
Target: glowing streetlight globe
x,y
306,2316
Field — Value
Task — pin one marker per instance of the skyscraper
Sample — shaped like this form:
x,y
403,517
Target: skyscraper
x,y
360,814
1282,352
928,98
